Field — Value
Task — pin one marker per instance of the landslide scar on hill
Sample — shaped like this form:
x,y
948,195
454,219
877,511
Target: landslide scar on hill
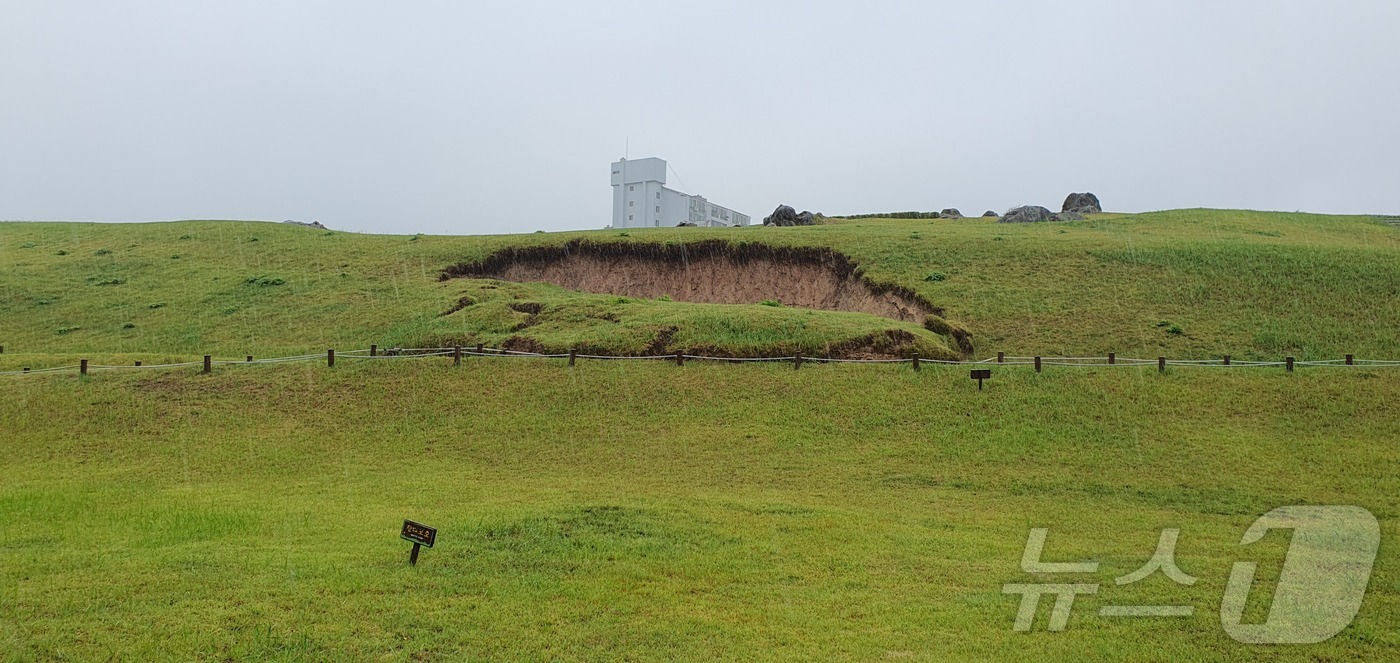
x,y
716,272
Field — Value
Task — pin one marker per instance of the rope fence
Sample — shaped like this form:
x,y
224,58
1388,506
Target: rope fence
x,y
457,353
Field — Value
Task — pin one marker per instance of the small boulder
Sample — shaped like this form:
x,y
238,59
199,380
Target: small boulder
x,y
1083,203
990,213
685,224
309,224
1027,214
950,213
1067,216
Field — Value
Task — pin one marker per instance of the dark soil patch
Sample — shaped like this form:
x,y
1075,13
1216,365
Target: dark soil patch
x,y
461,304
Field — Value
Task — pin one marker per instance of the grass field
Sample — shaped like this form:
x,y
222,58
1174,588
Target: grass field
x,y
716,511
644,511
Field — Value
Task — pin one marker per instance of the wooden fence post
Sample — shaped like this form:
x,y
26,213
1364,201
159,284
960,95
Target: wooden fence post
x,y
2,349
1227,360
138,363
26,369
456,355
572,355
916,361
680,359
330,358
1351,361
480,349
1161,364
1288,362
1037,364
82,367
1112,358
250,359
208,364
373,349
797,361
1001,357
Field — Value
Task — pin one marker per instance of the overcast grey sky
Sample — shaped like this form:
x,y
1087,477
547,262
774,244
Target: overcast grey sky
x,y
473,117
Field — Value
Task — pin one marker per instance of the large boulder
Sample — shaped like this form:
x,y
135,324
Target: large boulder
x,y
950,213
309,224
1026,214
1083,203
787,216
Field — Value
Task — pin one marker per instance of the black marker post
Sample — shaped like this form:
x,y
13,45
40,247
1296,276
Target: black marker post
x,y
420,535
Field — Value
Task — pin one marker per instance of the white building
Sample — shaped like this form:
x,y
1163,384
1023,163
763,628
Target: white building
x,y
641,200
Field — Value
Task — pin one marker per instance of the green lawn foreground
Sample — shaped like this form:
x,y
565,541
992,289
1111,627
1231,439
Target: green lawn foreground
x,y
639,510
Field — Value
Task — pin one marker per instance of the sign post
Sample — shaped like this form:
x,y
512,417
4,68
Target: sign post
x,y
980,374
418,534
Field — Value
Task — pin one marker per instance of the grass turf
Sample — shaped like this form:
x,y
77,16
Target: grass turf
x,y
715,512
642,510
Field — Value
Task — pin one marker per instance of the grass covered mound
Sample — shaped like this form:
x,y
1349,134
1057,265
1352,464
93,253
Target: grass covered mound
x,y
1189,283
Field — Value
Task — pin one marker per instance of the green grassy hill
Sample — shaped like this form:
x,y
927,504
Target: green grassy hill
x,y
1194,283
644,511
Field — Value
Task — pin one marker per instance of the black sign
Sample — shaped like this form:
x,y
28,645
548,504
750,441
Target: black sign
x,y
980,374
418,533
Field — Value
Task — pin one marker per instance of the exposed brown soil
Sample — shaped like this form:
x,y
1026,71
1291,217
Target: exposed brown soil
x,y
659,344
713,271
523,344
461,304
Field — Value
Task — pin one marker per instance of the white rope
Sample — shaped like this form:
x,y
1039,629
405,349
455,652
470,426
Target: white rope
x,y
111,368
630,357
735,359
54,369
410,353
283,360
856,361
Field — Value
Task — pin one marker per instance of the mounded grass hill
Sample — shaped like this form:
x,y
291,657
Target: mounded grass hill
x,y
641,510
1193,283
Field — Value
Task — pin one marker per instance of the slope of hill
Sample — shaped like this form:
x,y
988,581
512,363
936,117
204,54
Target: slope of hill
x,y
1194,283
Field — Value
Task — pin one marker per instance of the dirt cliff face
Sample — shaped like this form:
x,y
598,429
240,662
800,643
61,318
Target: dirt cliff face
x,y
712,271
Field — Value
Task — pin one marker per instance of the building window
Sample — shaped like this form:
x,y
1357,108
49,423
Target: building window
x,y
658,195
631,203
629,217
631,188
658,209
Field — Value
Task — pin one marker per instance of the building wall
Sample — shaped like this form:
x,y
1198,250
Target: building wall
x,y
675,208
637,186
641,199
